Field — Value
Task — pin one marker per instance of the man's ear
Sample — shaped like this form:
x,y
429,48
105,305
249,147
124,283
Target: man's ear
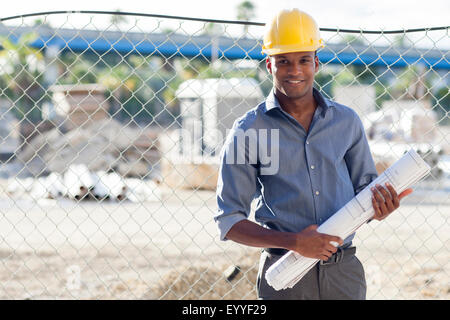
x,y
316,63
269,65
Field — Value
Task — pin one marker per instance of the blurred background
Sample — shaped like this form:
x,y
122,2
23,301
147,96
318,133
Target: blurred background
x,y
111,124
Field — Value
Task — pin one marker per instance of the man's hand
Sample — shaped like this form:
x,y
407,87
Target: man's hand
x,y
312,244
386,201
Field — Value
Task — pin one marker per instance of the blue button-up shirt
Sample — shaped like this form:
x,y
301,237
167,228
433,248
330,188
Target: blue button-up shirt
x,y
317,173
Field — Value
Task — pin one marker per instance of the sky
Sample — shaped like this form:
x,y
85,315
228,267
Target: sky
x,y
343,14
352,14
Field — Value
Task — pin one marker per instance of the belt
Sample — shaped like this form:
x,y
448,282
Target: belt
x,y
336,257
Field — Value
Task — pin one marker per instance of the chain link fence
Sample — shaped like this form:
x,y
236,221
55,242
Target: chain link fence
x,y
110,131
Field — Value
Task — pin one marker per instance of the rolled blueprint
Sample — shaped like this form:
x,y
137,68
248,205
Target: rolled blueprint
x,y
405,172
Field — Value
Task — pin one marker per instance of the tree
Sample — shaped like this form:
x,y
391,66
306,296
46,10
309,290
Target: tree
x,y
117,19
354,73
246,12
402,41
213,30
441,104
22,68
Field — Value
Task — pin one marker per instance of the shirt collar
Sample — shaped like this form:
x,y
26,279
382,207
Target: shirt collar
x,y
322,103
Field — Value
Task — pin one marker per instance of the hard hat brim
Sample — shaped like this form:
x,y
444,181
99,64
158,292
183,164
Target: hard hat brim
x,y
291,48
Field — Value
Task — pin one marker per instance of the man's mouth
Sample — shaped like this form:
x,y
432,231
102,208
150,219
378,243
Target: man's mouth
x,y
294,82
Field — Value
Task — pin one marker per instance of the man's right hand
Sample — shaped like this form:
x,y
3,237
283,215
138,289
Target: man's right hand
x,y
309,243
312,244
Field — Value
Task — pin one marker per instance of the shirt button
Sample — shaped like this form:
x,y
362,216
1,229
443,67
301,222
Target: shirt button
x,y
307,142
312,167
317,193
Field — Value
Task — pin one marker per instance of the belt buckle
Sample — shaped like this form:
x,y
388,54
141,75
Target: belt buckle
x,y
336,257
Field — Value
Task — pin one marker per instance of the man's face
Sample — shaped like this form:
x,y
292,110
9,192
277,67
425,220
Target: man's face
x,y
293,73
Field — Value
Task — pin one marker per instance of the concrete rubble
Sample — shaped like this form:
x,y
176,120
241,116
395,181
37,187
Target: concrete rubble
x,y
78,183
104,145
103,160
401,125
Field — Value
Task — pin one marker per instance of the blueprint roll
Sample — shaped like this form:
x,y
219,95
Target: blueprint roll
x,y
405,172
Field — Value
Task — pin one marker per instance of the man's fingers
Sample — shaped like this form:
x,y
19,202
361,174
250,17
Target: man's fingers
x,y
326,254
380,201
376,209
388,201
331,248
383,192
391,190
335,239
394,196
332,242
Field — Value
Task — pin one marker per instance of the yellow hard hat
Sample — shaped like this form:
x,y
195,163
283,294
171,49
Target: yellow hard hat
x,y
291,31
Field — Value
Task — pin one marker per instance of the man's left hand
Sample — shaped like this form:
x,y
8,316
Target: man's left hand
x,y
391,201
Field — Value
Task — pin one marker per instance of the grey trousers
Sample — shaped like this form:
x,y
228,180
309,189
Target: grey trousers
x,y
344,280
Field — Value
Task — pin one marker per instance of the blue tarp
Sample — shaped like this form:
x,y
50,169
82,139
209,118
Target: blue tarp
x,y
229,48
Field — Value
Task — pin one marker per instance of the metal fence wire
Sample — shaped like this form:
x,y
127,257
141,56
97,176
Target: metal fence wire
x,y
110,129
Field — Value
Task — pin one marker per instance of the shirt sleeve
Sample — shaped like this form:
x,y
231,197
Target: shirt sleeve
x,y
359,159
236,186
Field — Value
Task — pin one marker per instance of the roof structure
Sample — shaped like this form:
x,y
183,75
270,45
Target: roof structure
x,y
174,44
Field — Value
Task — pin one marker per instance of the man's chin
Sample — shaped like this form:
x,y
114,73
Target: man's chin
x,y
296,95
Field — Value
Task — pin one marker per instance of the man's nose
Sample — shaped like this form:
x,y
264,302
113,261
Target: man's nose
x,y
295,69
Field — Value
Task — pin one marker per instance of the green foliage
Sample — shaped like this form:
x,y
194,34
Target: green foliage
x,y
402,41
118,19
441,103
133,89
140,88
344,77
211,28
77,70
21,76
412,82
324,82
246,12
134,86
352,40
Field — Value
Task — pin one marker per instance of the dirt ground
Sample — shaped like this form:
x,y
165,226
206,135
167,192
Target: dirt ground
x,y
169,249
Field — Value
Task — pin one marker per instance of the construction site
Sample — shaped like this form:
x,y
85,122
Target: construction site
x,y
109,193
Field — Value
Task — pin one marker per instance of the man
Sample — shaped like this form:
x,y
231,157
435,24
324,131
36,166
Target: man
x,y
324,161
